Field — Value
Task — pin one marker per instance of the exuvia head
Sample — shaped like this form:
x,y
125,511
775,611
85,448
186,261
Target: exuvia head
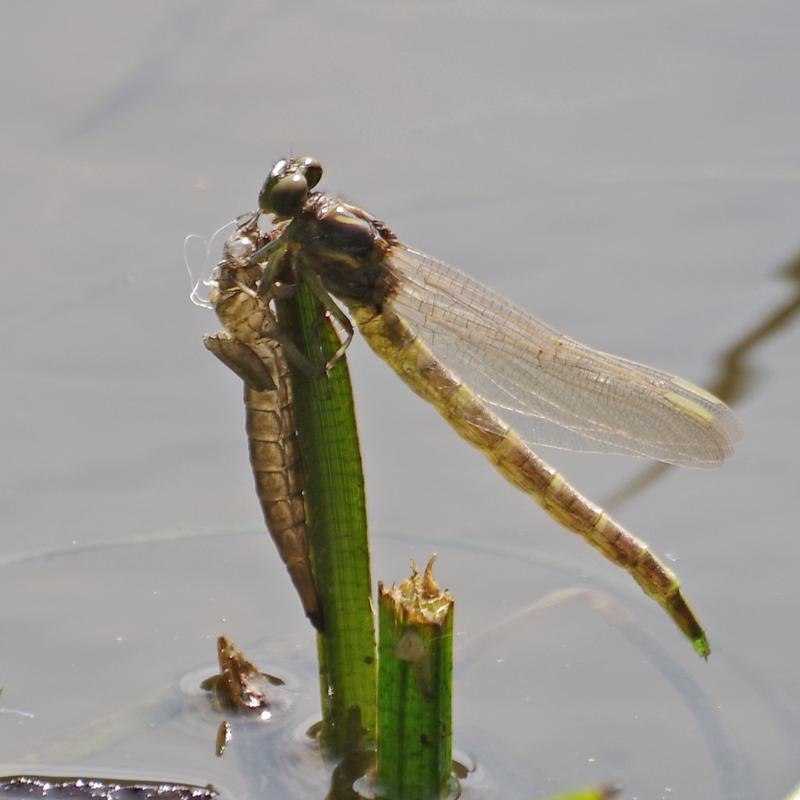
x,y
286,188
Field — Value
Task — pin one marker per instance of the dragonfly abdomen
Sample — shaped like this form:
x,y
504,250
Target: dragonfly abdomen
x,y
394,340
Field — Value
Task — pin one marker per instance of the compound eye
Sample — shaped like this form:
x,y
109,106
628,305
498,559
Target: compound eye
x,y
288,196
279,168
277,172
312,169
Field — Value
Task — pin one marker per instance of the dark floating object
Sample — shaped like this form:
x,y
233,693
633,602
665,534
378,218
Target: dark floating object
x,y
62,787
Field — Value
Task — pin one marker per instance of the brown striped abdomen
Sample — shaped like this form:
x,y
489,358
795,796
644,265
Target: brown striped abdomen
x,y
396,343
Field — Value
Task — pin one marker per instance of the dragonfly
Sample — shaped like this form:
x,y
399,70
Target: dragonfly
x,y
249,346
505,381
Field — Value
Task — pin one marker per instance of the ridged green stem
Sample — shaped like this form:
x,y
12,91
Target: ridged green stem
x,y
337,519
415,656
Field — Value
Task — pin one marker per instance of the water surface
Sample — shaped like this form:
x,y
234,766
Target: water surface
x,y
629,172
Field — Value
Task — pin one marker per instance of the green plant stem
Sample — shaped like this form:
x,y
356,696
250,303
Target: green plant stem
x,y
336,507
415,680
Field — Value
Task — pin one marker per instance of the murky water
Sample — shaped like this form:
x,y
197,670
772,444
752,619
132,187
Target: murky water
x,y
631,174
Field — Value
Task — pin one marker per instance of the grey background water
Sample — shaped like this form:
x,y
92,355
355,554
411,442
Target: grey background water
x,y
628,171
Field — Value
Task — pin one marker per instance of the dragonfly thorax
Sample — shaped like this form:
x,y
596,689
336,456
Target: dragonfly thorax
x,y
344,245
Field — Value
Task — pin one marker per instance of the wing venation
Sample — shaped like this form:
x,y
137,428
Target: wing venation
x,y
551,389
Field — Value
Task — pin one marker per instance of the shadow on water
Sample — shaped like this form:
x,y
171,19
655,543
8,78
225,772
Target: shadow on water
x,y
736,377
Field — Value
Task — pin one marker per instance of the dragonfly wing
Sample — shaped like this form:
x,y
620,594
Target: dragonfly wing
x,y
551,389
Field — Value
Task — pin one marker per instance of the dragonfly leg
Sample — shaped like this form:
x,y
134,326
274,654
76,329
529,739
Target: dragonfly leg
x,y
246,289
272,288
283,291
264,252
276,290
270,276
314,283
310,367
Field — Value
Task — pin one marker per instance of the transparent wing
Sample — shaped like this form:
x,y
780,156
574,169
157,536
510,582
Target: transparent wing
x,y
551,389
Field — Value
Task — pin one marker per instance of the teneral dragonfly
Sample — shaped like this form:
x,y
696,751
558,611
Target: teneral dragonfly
x,y
500,377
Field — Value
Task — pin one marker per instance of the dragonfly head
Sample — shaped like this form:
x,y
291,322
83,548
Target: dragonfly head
x,y
286,188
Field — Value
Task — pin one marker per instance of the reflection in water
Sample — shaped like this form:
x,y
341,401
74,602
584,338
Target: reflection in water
x,y
735,376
